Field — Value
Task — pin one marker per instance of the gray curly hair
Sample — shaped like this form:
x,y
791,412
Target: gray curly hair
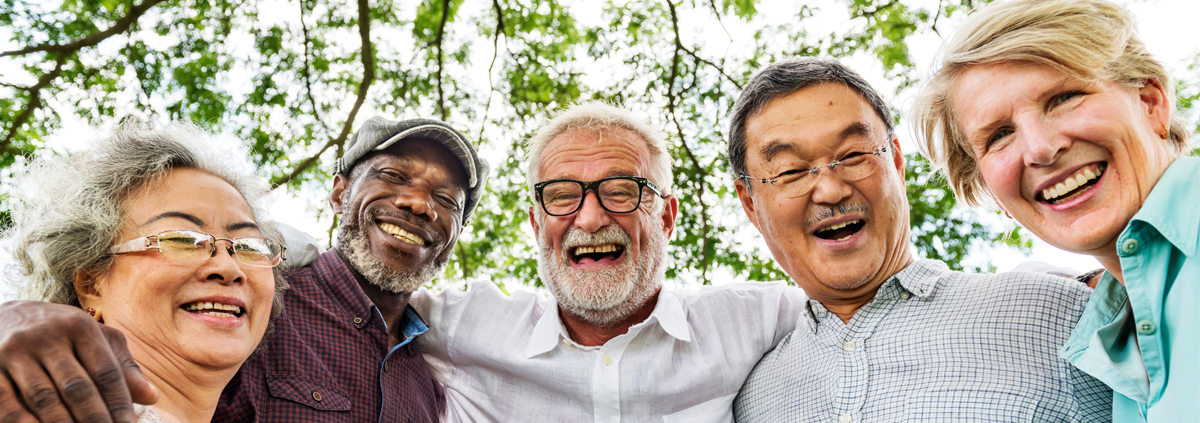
x,y
68,210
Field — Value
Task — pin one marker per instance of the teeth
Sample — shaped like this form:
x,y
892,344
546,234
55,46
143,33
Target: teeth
x,y
600,249
401,234
837,226
845,237
222,310
1072,182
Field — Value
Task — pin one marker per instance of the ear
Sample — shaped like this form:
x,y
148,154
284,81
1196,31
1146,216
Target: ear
x,y
340,184
534,223
743,193
1155,102
669,214
898,158
88,289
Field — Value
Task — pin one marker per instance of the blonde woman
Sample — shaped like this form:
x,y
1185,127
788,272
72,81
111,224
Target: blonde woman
x,y
1056,111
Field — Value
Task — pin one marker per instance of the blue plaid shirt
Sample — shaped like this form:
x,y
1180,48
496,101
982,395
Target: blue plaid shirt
x,y
934,345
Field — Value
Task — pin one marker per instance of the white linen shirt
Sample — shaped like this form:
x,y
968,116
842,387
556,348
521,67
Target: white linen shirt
x,y
509,359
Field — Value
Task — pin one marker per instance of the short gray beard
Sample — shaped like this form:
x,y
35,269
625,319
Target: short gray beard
x,y
605,297
356,247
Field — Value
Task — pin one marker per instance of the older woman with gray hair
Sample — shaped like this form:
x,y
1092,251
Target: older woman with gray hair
x,y
160,235
1056,111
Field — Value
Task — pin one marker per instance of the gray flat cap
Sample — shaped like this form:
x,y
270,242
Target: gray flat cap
x,y
379,133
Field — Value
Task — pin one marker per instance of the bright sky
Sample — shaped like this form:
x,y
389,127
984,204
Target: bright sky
x,y
1164,26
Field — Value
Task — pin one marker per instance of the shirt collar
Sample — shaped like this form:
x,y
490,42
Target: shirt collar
x,y
414,326
1165,208
919,278
668,312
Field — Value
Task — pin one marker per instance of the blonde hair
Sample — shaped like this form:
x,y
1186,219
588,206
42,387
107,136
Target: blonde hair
x,y
1092,40
597,117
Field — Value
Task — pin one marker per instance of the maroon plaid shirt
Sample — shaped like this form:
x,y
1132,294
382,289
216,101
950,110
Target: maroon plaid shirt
x,y
328,360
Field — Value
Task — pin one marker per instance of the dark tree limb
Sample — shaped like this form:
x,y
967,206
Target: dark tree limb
x,y
35,101
307,75
67,49
937,15
495,53
438,43
700,185
368,63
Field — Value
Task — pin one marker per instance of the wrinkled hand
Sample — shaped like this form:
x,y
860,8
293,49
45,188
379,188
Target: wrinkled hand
x,y
58,365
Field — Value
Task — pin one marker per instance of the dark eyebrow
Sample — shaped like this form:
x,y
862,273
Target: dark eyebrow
x,y
774,148
180,215
856,128
241,225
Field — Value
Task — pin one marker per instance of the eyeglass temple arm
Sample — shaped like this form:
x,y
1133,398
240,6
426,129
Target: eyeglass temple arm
x,y
133,245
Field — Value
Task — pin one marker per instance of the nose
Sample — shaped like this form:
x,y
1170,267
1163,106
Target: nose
x,y
418,200
223,267
591,216
830,188
1042,144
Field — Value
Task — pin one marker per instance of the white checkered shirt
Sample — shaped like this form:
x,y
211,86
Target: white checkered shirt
x,y
934,345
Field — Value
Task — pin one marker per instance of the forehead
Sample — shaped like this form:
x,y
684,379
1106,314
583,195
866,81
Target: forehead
x,y
987,92
813,119
417,155
590,155
191,191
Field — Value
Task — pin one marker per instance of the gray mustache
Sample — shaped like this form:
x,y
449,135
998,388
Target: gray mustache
x,y
823,213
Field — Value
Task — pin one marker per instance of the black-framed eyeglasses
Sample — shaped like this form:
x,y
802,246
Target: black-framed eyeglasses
x,y
617,194
798,177
187,245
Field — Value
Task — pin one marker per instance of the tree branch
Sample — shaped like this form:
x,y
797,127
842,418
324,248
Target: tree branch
x,y
35,101
368,63
438,44
495,53
701,173
717,13
937,15
122,24
307,75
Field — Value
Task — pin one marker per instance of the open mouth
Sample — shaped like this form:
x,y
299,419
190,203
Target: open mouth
x,y
840,231
213,309
401,234
597,253
1074,185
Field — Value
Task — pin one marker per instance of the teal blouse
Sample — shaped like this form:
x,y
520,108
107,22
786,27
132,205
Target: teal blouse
x,y
1143,338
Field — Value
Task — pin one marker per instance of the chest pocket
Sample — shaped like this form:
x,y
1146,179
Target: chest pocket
x,y
306,392
957,406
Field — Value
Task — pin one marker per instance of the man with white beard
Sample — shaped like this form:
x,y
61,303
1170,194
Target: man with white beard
x,y
611,345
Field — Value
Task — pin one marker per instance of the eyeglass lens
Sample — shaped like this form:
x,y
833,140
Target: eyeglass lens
x,y
799,177
616,195
193,246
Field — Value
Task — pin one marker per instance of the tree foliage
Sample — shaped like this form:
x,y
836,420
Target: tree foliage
x,y
294,78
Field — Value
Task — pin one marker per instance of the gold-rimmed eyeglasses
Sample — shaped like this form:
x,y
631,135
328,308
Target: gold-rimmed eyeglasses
x,y
188,245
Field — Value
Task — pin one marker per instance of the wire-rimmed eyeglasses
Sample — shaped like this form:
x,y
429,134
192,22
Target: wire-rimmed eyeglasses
x,y
798,177
617,194
188,245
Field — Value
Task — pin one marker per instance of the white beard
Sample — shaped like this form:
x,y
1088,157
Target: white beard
x,y
608,296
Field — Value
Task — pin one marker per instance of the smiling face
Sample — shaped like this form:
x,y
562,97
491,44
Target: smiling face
x,y
1073,161
842,239
601,266
401,213
211,312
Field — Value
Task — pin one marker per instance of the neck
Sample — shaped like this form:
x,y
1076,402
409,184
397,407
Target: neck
x,y
845,308
390,304
1112,264
188,392
589,334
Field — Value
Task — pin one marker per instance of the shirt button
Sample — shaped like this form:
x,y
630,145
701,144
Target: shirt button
x,y
385,367
1145,327
905,296
607,359
845,418
1130,246
849,347
358,320
316,396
